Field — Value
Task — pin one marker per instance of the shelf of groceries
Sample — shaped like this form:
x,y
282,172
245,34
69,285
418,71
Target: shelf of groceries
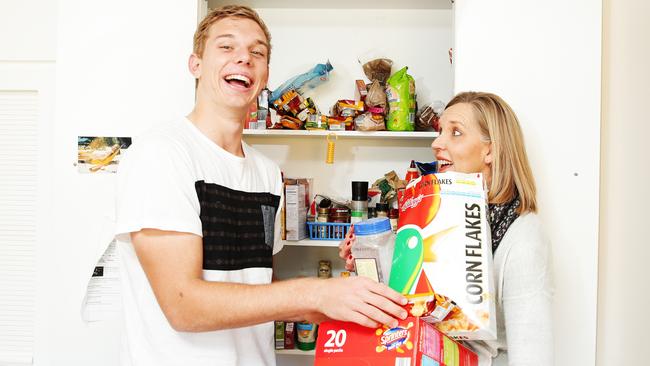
x,y
354,134
385,107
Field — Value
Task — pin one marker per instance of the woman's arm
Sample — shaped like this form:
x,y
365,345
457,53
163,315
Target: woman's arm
x,y
527,296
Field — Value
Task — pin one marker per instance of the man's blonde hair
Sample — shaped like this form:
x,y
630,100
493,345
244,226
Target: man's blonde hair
x,y
227,11
510,171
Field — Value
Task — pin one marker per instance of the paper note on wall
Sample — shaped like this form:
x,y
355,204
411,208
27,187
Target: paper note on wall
x,y
103,299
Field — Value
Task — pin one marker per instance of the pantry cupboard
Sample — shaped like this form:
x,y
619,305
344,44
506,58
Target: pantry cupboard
x,y
416,34
121,67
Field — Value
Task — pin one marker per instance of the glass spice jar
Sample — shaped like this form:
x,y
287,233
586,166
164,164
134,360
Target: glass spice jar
x,y
393,215
381,209
324,269
323,213
339,215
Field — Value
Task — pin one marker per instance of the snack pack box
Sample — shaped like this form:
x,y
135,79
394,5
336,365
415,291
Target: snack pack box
x,y
297,193
442,259
412,343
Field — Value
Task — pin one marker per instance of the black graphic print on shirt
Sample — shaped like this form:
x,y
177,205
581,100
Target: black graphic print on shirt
x,y
238,227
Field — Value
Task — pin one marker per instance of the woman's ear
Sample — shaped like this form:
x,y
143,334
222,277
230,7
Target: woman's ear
x,y
194,65
487,159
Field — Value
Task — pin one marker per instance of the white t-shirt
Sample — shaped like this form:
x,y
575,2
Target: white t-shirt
x,y
175,178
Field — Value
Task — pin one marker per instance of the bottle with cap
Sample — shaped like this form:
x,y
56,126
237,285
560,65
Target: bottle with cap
x,y
411,172
393,215
359,209
373,249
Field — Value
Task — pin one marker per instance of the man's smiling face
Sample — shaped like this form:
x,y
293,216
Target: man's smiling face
x,y
234,68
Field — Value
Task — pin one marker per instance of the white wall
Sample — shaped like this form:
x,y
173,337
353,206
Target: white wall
x,y
623,298
27,54
121,66
543,58
28,30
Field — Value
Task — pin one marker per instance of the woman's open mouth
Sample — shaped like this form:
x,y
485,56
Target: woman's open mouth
x,y
444,165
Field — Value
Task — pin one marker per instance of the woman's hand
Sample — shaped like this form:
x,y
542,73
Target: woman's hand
x,y
345,249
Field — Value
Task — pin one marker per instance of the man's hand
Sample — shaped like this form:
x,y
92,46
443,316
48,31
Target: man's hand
x,y
360,300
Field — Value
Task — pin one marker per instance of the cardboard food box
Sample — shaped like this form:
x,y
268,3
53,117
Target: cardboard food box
x,y
297,193
279,334
413,342
442,259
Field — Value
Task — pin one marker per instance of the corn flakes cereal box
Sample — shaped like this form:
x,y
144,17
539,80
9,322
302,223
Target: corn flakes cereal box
x,y
442,259
412,343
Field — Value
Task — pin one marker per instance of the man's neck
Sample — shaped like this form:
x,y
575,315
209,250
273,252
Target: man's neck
x,y
222,125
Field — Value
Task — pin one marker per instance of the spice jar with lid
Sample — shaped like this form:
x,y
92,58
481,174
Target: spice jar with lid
x,y
381,209
324,269
339,215
393,215
323,213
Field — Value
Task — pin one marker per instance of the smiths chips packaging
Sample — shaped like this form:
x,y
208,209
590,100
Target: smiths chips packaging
x,y
443,258
400,92
412,343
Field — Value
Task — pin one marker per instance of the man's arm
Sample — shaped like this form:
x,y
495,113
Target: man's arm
x,y
172,262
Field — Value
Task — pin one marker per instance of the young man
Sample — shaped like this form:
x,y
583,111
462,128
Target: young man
x,y
196,224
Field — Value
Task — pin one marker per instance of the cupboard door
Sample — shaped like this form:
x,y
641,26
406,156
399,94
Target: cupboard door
x,y
121,67
544,59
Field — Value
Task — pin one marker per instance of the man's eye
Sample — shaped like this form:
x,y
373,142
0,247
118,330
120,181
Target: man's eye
x,y
456,132
258,53
226,47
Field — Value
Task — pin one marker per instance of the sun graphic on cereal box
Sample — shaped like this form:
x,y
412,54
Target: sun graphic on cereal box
x,y
394,338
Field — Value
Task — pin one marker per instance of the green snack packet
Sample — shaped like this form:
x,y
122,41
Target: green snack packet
x,y
400,92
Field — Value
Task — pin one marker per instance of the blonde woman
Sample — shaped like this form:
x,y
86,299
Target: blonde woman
x,y
481,133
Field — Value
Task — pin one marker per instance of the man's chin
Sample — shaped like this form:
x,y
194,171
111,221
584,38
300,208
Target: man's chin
x,y
237,102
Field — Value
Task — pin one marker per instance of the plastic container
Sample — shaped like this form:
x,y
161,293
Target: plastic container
x,y
375,240
327,230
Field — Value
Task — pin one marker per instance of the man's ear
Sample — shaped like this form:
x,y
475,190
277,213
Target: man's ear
x,y
194,65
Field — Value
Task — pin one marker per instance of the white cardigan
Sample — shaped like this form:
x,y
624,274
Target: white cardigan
x,y
524,293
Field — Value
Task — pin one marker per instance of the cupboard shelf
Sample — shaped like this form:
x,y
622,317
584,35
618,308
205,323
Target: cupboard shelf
x,y
351,134
295,352
312,243
340,4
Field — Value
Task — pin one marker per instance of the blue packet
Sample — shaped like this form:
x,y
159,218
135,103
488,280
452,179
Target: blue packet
x,y
427,168
309,80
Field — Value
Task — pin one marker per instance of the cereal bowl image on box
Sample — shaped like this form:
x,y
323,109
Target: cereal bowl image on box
x,y
442,259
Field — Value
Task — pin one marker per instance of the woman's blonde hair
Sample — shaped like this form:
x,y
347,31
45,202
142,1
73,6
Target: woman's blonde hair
x,y
510,171
227,11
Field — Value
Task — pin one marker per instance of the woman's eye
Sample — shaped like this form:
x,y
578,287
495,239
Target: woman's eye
x,y
456,132
225,47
